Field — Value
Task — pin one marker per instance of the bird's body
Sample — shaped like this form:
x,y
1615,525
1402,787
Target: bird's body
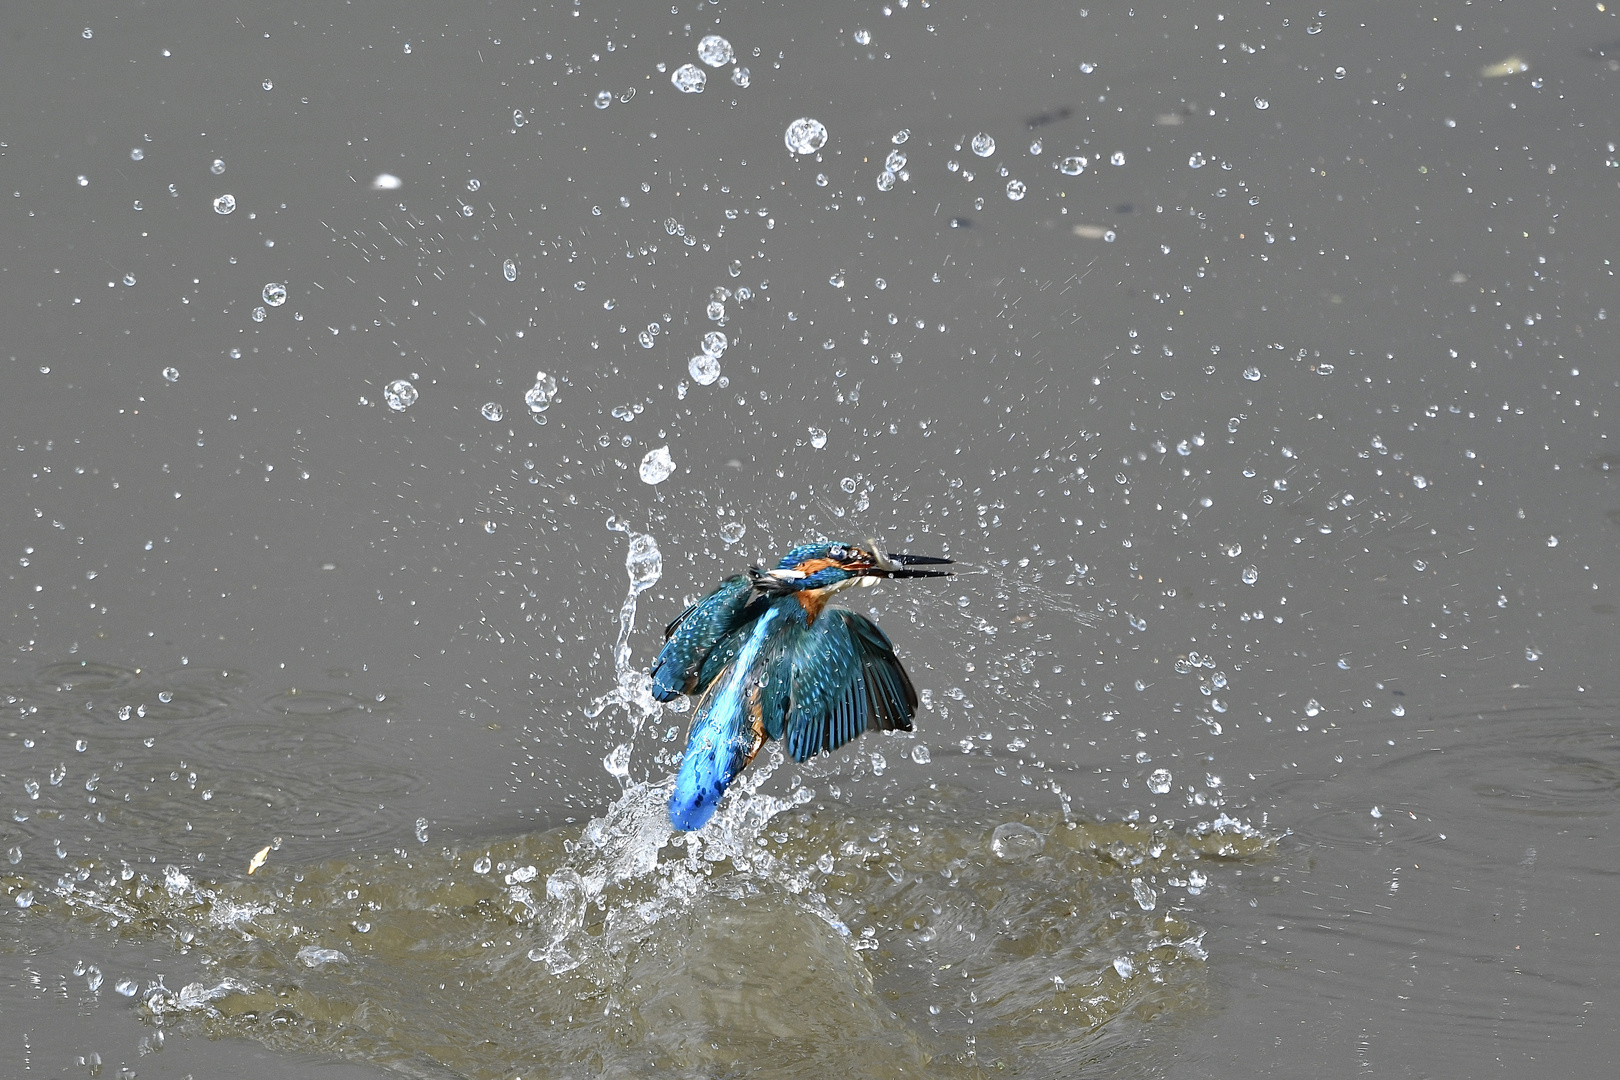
x,y
769,660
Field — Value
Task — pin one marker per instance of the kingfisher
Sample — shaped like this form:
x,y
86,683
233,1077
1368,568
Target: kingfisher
x,y
768,659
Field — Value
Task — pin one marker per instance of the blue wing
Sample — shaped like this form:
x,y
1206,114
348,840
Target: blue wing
x,y
683,666
845,679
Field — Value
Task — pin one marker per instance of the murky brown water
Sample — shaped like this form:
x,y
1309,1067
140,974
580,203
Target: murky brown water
x,y
1258,379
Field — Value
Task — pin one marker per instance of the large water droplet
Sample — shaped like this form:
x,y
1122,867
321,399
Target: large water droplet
x,y
400,395
704,368
689,79
657,466
714,50
806,135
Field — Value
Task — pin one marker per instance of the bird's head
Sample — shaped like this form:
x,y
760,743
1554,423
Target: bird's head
x,y
838,565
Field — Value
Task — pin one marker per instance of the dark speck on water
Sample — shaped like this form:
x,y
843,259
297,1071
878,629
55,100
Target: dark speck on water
x,y
1042,119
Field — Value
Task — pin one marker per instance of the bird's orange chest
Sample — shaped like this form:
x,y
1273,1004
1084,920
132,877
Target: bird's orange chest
x,y
812,600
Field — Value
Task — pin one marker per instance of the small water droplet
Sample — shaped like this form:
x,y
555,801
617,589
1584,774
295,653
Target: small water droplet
x,y
171,374
225,204
492,411
806,135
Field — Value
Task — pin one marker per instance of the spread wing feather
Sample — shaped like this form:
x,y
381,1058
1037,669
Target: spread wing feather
x,y
846,679
700,641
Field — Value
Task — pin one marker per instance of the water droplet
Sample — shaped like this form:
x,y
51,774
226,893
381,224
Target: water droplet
x,y
1014,841
88,33
983,144
1262,104
1159,781
421,830
218,167
732,531
740,76
386,182
1419,565
689,79
805,135
1197,161
920,754
268,85
1252,374
714,343
225,204
657,466
1532,654
705,369
84,181
1123,966
1377,812
492,411
714,50
1117,158
275,294
1251,574
129,279
818,438
137,154
1146,898
863,37
848,485
400,395
899,138
540,396
258,314
1016,190
1552,541
509,269
481,864
1234,550
895,161
1072,166
1398,710
604,98
885,180
171,374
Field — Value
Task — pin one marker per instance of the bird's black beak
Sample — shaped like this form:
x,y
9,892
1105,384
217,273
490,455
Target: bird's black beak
x,y
904,563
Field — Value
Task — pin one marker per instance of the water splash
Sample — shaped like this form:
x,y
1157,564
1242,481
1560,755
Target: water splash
x,y
632,689
789,938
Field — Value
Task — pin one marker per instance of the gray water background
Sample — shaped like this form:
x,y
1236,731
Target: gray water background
x,y
1319,390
